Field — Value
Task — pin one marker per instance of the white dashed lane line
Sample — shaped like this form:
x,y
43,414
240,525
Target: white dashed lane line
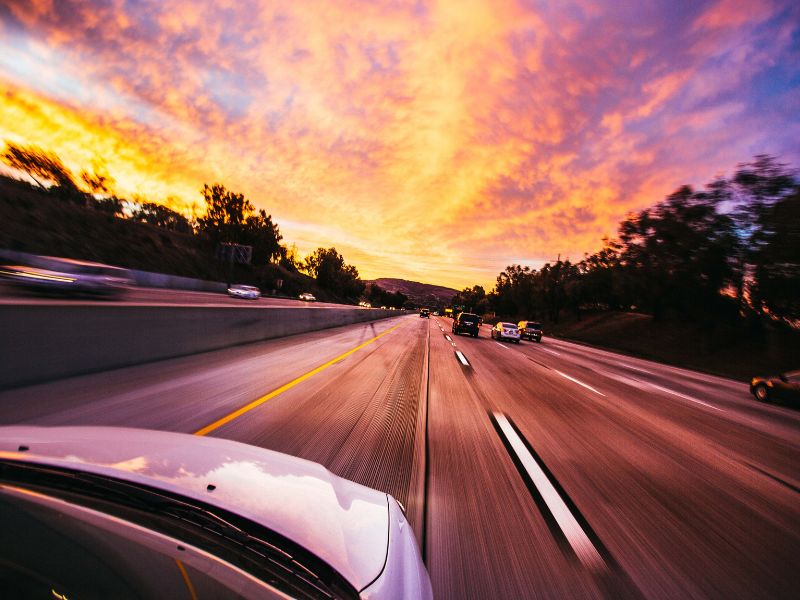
x,y
576,536
501,345
550,351
462,359
572,379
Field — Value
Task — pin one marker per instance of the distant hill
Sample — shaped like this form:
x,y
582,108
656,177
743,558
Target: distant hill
x,y
422,294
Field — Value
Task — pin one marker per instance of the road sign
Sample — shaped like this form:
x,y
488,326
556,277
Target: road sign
x,y
235,253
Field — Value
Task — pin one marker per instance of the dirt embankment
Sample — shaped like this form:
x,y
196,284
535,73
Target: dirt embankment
x,y
738,352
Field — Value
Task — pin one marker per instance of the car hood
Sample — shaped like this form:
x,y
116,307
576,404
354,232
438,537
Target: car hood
x,y
343,523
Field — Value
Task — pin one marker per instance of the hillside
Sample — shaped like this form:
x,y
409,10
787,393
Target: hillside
x,y
737,352
39,222
421,294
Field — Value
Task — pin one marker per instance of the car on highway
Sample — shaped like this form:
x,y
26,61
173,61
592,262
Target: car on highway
x,y
466,323
531,330
248,292
781,387
68,277
306,297
425,313
506,331
104,512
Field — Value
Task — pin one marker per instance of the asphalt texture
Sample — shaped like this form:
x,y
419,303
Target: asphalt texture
x,y
549,470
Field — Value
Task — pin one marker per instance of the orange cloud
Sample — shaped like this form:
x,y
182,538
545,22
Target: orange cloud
x,y
434,141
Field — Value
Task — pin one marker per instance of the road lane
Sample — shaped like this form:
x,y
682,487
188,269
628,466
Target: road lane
x,y
144,296
485,537
668,486
680,499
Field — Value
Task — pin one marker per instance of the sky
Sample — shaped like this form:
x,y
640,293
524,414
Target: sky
x,y
435,141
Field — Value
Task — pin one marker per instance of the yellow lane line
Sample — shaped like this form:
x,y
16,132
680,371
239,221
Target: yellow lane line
x,y
186,580
258,402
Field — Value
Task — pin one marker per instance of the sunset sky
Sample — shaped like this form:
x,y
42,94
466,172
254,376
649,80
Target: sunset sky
x,y
434,141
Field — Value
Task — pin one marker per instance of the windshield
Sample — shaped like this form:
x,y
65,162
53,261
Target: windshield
x,y
49,552
510,325
249,546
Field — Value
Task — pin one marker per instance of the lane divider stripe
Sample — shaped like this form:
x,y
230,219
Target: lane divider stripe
x,y
572,379
258,402
462,358
576,536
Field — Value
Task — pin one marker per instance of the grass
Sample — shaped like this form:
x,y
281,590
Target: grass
x,y
735,351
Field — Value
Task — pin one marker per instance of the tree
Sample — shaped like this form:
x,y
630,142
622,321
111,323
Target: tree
x,y
472,299
756,187
161,216
226,214
677,255
776,281
231,218
263,235
40,165
98,181
327,266
377,296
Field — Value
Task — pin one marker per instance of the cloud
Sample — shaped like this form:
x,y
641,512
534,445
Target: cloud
x,y
434,141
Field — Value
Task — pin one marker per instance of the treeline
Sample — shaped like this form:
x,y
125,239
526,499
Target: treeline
x,y
229,218
728,251
377,297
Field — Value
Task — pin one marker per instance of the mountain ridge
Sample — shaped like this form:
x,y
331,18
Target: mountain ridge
x,y
421,294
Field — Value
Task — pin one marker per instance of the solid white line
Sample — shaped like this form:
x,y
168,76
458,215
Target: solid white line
x,y
462,358
501,345
684,396
447,337
588,387
575,535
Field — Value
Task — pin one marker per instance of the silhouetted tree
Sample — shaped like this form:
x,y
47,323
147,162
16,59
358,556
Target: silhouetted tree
x,y
327,266
161,216
776,256
263,235
377,296
98,181
40,165
230,217
226,214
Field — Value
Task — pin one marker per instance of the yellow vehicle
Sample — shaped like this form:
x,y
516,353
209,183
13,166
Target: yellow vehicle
x,y
448,312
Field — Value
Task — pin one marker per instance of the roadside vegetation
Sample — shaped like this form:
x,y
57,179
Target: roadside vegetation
x,y
81,217
702,275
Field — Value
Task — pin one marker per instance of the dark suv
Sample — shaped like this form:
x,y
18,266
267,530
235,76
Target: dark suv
x,y
424,313
531,330
467,323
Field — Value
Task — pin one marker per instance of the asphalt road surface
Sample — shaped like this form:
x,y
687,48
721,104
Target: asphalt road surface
x,y
548,470
144,296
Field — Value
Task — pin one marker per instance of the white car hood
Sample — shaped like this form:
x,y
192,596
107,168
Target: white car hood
x,y
343,523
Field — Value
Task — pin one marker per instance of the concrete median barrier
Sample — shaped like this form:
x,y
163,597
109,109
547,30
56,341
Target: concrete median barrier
x,y
41,343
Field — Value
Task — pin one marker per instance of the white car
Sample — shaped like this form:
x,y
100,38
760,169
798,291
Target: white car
x,y
121,513
506,331
68,277
248,292
306,297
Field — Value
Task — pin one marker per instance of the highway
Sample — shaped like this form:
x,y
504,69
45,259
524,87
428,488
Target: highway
x,y
146,296
549,470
